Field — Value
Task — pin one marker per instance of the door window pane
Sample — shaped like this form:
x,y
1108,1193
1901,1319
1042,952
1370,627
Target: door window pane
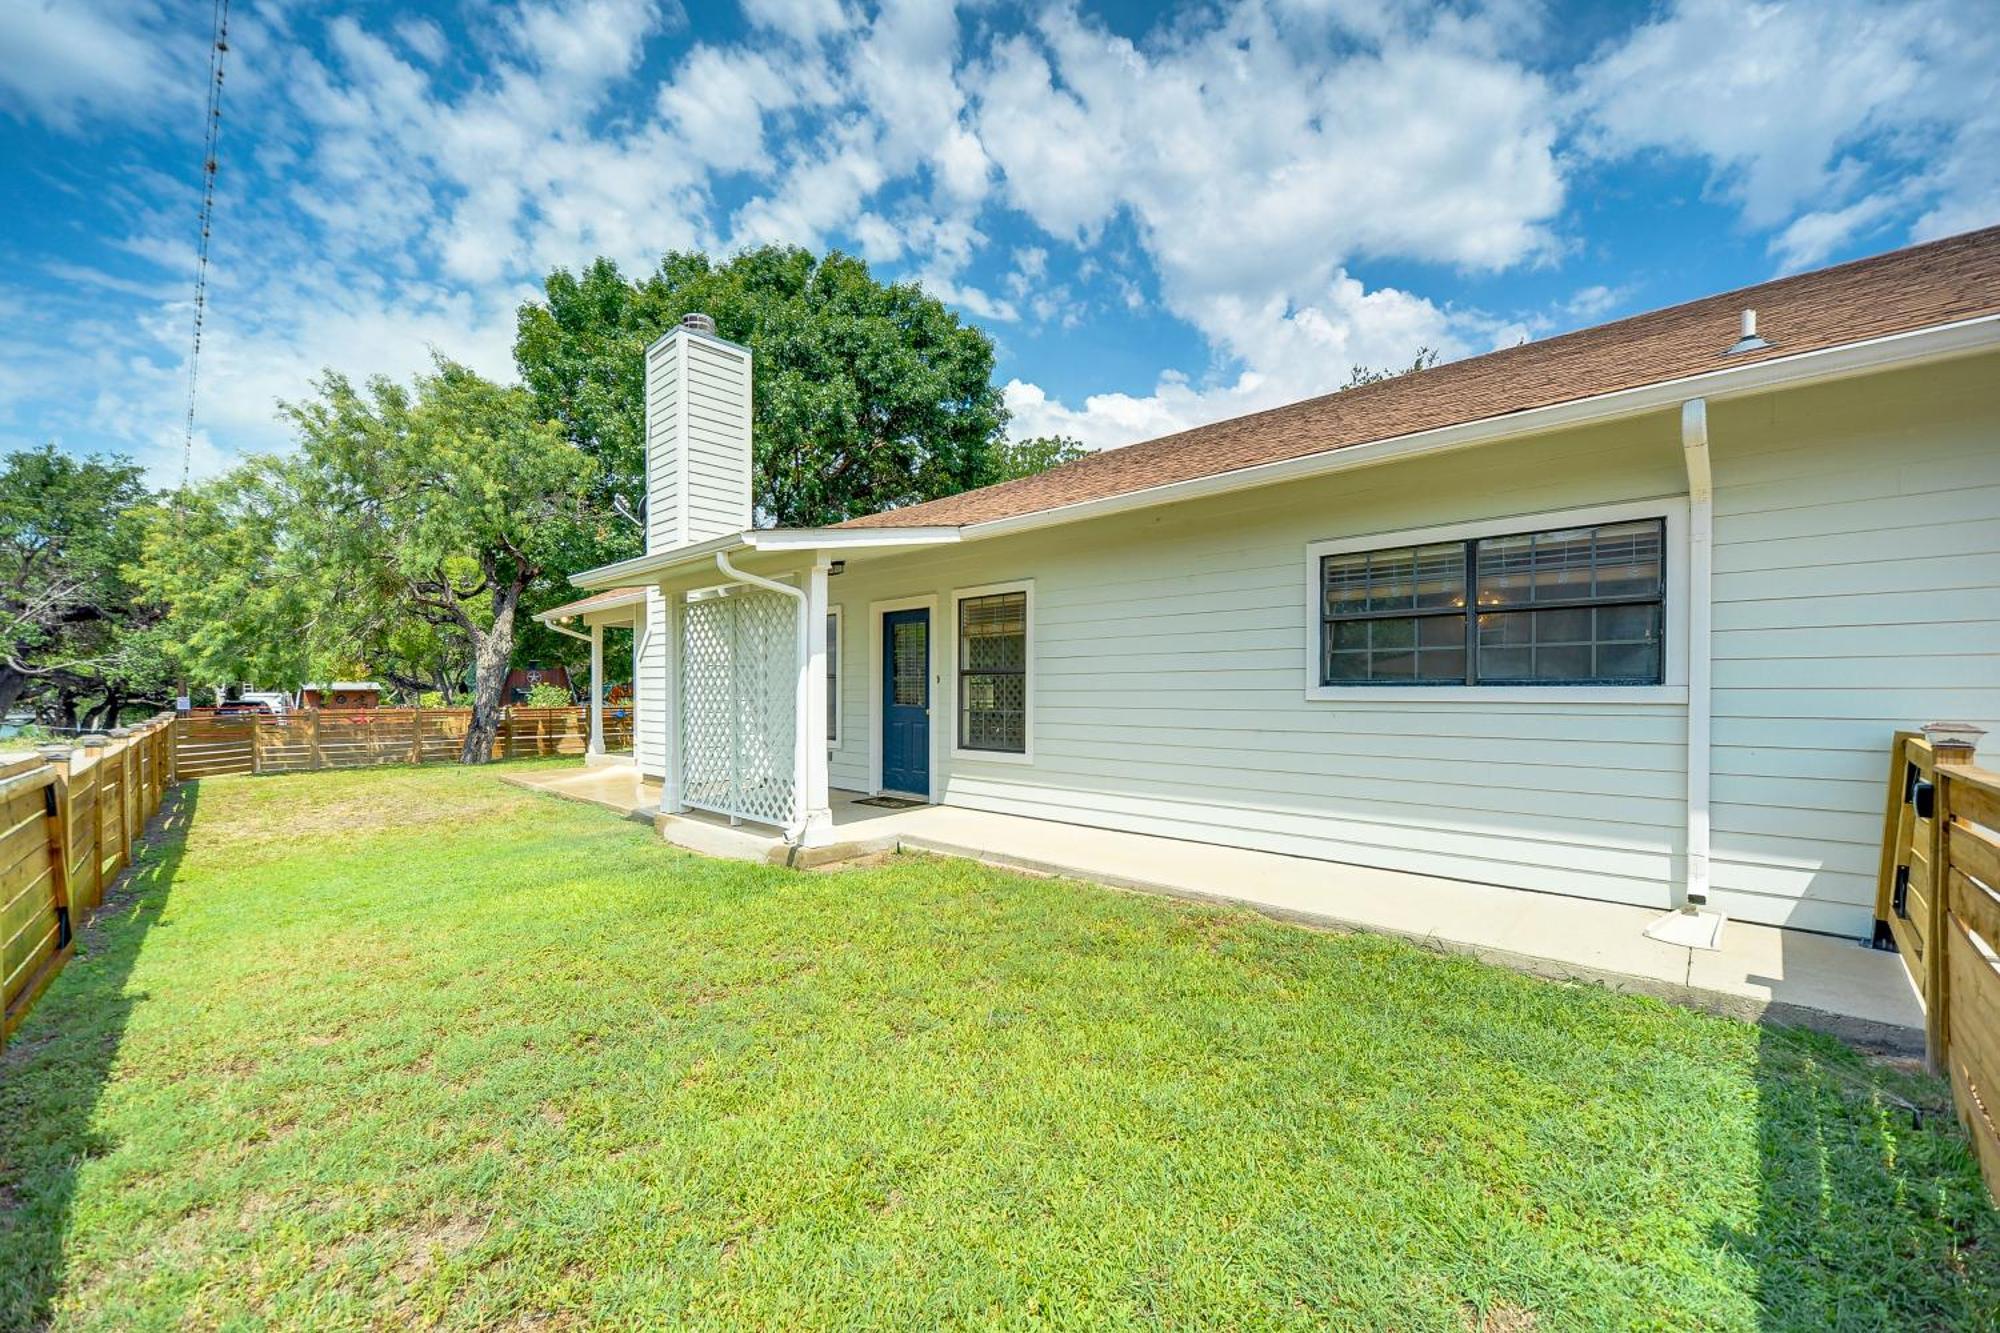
x,y
909,645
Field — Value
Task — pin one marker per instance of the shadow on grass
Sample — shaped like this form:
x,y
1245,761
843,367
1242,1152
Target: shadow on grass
x,y
54,1070
1871,1213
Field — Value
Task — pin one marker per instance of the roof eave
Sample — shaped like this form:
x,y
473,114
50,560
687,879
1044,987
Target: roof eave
x,y
662,564
1936,343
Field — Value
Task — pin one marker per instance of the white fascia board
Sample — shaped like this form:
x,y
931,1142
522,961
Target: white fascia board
x,y
847,539
650,568
608,604
1938,343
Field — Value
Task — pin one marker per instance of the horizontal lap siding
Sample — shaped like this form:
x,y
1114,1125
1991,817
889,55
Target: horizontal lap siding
x,y
649,710
663,470
717,419
1857,591
1169,687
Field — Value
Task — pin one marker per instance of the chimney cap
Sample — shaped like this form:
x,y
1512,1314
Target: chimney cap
x,y
696,322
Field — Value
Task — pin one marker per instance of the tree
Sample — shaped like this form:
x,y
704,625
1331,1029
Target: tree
x,y
1024,458
74,635
866,396
439,507
453,501
1357,376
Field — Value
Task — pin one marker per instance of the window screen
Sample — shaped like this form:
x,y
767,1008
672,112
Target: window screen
x,y
1569,606
993,673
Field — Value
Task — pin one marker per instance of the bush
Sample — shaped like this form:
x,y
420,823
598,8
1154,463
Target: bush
x,y
439,699
546,695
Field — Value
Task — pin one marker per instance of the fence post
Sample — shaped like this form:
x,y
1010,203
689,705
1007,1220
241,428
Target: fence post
x,y
93,749
312,716
1953,745
123,737
55,812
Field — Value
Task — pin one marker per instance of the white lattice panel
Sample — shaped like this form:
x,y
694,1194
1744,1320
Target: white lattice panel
x,y
739,658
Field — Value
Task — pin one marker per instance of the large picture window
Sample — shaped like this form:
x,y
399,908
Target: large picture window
x,y
993,705
1574,605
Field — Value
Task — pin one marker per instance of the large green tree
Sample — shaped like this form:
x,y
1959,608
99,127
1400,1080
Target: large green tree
x,y
440,507
867,394
75,638
1024,458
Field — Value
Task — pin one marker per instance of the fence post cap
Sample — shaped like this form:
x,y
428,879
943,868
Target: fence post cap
x,y
1953,742
93,740
54,751
121,732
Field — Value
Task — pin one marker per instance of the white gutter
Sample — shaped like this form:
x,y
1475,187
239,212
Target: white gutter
x,y
801,732
1938,343
560,630
654,564
1701,532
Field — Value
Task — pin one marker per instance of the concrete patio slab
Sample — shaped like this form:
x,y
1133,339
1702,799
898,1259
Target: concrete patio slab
x,y
1759,973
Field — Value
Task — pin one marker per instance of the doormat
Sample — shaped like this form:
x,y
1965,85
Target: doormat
x,y
890,803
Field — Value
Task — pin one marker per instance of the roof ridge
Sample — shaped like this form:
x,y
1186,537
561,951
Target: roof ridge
x,y
1906,288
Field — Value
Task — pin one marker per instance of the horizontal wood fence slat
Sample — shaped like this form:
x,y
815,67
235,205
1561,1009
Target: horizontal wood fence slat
x,y
1939,901
314,739
67,827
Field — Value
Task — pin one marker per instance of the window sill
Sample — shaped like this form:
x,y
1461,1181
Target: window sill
x,y
1498,694
993,756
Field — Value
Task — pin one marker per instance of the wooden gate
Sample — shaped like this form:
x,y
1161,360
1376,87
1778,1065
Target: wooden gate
x,y
1938,902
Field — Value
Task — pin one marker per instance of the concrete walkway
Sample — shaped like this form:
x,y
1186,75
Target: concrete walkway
x,y
1834,985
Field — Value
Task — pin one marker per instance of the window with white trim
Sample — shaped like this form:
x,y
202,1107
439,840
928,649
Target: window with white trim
x,y
993,671
1582,604
833,676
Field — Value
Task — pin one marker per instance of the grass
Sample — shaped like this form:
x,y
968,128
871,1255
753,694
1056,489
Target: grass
x,y
416,1047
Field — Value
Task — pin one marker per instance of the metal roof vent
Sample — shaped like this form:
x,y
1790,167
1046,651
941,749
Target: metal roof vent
x,y
1749,342
698,323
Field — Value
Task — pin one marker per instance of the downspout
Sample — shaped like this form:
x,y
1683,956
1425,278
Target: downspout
x,y
1700,557
796,828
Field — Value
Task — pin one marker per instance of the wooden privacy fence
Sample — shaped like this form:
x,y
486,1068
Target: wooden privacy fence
x,y
1939,901
67,827
310,740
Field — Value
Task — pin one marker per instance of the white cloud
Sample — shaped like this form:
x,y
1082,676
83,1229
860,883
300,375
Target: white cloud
x,y
1821,120
1241,169
802,20
1289,353
424,38
1253,169
65,61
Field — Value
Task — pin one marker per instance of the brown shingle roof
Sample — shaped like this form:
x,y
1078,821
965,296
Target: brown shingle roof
x,y
1937,283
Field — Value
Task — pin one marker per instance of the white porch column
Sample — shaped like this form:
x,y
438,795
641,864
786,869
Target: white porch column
x,y
814,811
596,745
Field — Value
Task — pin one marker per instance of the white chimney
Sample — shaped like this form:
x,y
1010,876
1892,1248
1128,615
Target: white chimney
x,y
697,436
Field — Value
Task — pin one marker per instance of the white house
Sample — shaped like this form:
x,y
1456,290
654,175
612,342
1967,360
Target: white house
x,y
1629,614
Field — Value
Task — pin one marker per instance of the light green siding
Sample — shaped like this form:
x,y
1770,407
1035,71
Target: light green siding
x,y
1169,686
1856,590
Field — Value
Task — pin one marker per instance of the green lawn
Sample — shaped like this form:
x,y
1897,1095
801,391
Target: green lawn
x,y
414,1046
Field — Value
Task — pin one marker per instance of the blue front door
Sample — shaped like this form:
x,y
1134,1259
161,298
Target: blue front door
x,y
906,702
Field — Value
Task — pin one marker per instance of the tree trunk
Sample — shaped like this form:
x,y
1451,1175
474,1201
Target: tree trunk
x,y
492,652
105,715
12,682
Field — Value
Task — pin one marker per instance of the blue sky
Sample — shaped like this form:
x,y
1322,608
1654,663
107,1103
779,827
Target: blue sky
x,y
1164,215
